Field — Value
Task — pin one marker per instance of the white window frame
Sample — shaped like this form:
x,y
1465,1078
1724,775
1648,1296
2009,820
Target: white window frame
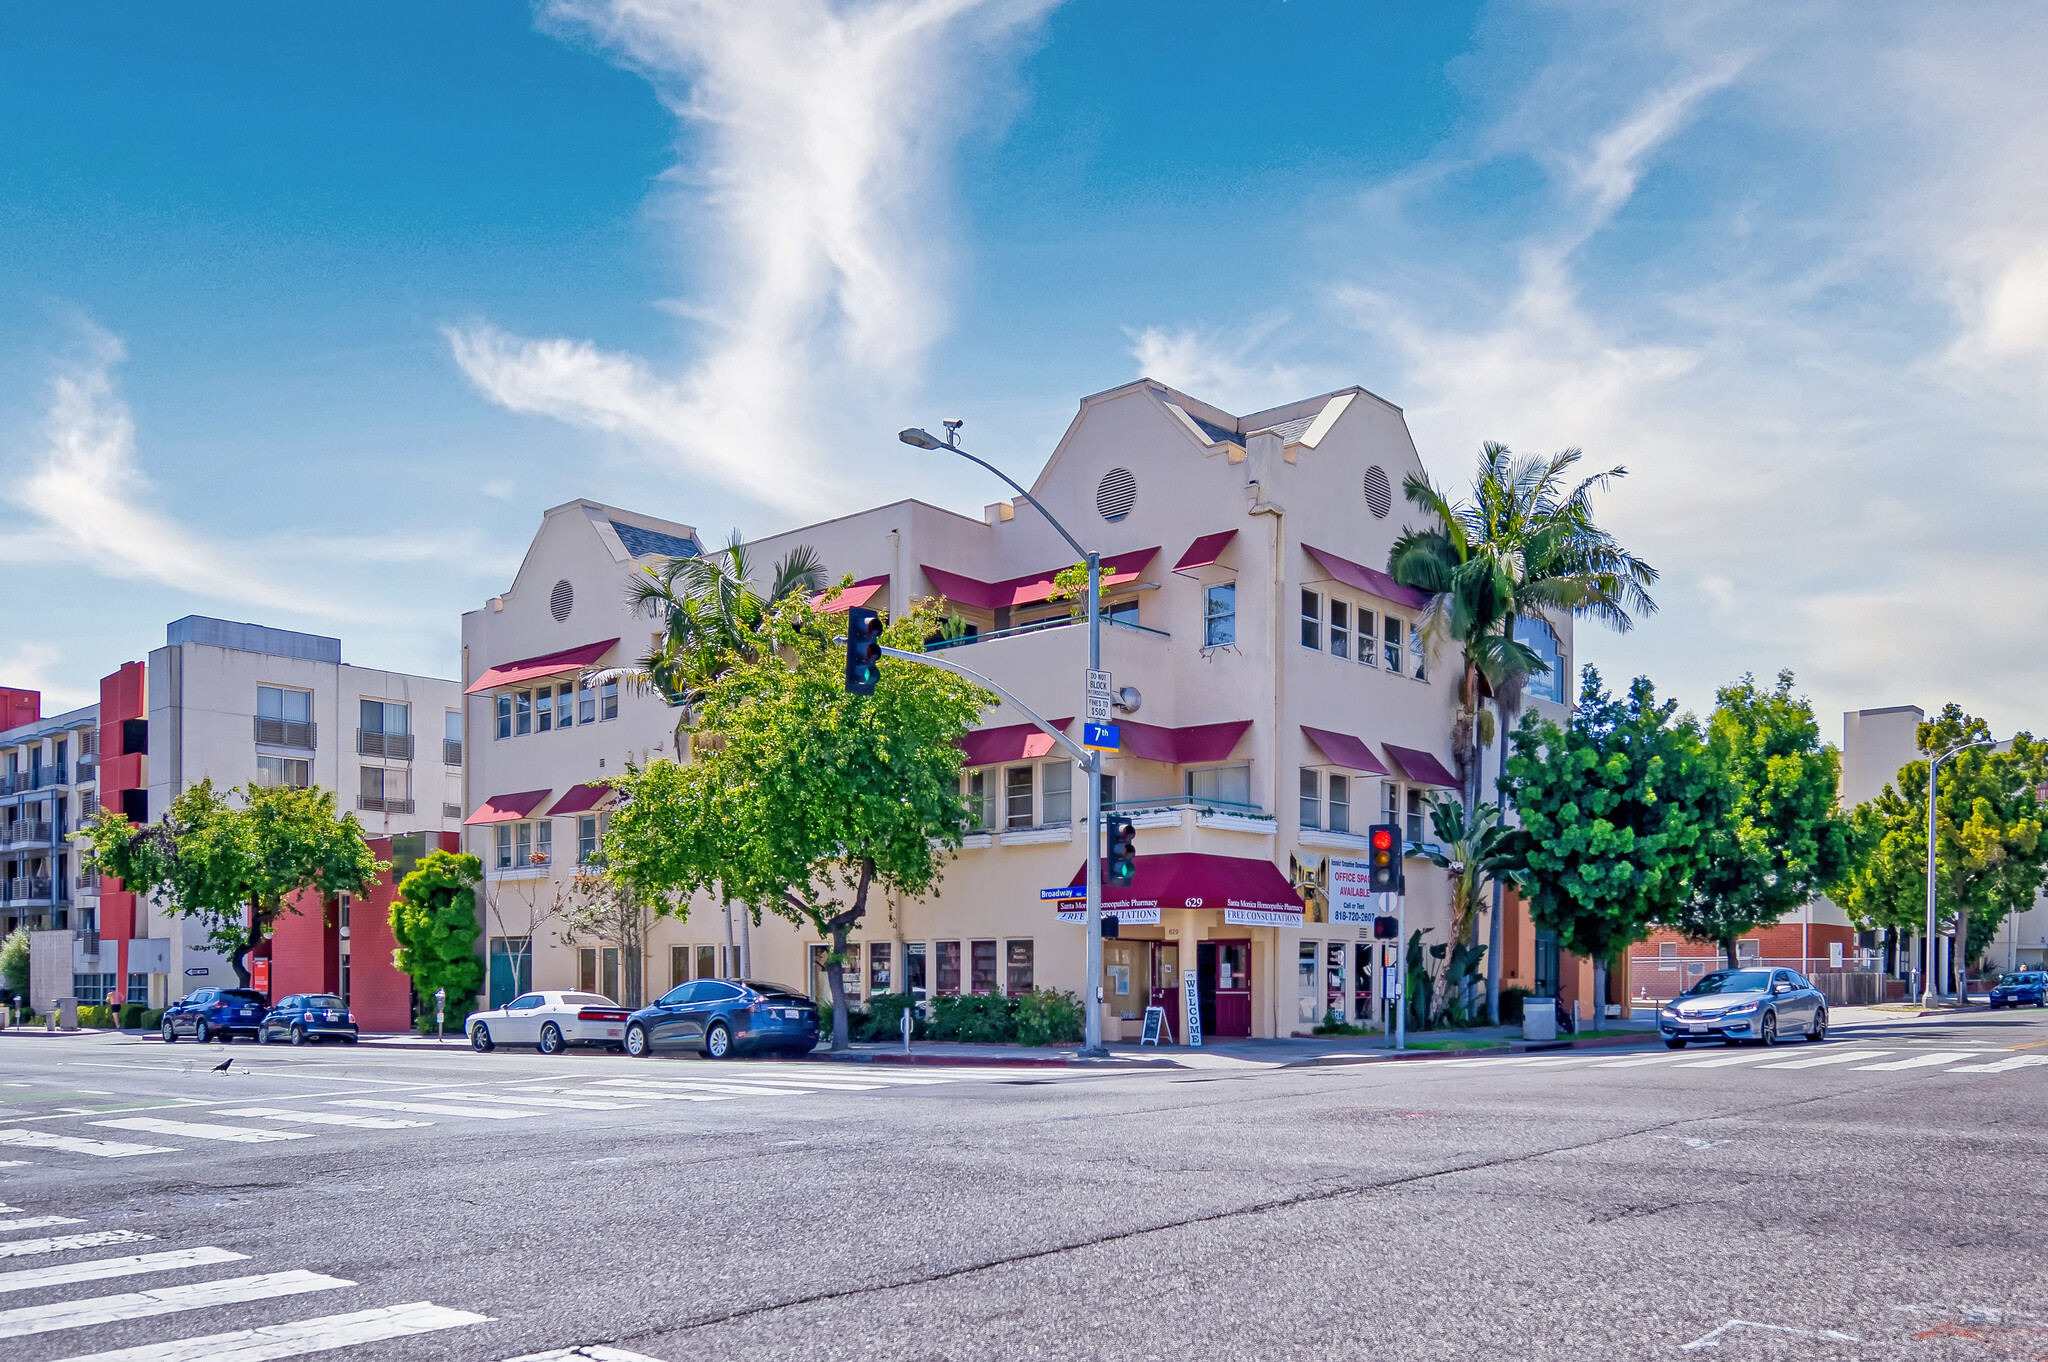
x,y
1214,619
1311,809
1368,638
1340,628
1312,620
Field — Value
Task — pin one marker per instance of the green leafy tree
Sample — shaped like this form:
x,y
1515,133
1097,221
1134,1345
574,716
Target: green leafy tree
x,y
1991,858
1616,814
14,951
434,922
809,798
1781,839
237,860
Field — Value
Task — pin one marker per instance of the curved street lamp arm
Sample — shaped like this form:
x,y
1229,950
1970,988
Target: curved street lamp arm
x,y
1075,543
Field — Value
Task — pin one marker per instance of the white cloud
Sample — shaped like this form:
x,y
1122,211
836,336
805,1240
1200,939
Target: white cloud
x,y
1224,366
825,129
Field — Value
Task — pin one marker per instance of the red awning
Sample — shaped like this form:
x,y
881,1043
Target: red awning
x,y
1012,742
1422,768
1181,746
1193,879
506,808
964,590
1368,579
1205,551
512,673
1346,751
580,799
860,593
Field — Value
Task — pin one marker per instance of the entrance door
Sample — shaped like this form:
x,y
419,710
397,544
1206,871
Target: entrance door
x,y
1224,982
1165,991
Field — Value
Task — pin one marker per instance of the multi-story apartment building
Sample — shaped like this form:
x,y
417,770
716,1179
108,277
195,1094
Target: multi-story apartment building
x,y
48,785
1280,699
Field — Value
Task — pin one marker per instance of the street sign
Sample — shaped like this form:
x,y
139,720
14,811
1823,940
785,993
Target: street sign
x,y
1065,892
1098,698
200,972
1101,738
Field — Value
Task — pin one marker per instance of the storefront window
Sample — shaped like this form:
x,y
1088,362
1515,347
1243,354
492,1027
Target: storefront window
x,y
1308,985
1361,982
982,958
948,982
879,973
913,969
707,962
1333,982
1018,961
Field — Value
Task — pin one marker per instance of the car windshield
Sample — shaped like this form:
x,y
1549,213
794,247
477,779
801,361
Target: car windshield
x,y
587,1000
2023,979
1731,981
241,995
323,1000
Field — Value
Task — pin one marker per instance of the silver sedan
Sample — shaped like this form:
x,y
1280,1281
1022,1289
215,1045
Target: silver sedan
x,y
1735,1005
550,1021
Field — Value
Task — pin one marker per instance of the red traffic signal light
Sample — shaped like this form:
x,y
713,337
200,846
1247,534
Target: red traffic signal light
x,y
1383,859
1382,839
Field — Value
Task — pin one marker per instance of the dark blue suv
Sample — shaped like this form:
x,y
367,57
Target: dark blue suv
x,y
2014,989
215,1014
722,1017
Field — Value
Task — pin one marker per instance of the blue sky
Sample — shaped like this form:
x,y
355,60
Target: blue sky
x,y
308,311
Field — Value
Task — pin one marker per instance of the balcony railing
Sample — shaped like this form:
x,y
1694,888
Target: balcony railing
x,y
29,889
398,745
89,943
451,811
1039,627
383,803
26,832
88,770
88,806
451,751
88,880
286,733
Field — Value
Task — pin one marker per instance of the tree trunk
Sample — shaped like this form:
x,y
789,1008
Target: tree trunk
x,y
1496,932
836,972
1599,994
1728,952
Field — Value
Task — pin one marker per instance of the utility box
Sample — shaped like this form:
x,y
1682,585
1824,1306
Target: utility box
x,y
1539,1019
67,1014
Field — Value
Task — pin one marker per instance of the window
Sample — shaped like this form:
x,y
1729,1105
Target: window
x,y
1340,803
1017,797
138,988
1311,798
1219,614
1340,629
383,716
387,788
948,968
879,973
543,841
707,962
586,702
1390,803
1108,791
522,713
1311,620
1120,612
1059,793
1417,661
1542,640
522,844
982,957
451,725
1308,992
544,710
503,859
1222,784
1018,969
608,700
565,706
974,789
1368,644
1391,638
285,771
93,988
291,706
678,973
1415,798
586,838
913,969
505,716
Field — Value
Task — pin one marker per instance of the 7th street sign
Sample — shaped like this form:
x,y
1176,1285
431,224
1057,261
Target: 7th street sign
x,y
1101,738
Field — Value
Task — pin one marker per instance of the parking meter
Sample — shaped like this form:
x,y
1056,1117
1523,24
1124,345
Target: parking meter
x,y
440,1010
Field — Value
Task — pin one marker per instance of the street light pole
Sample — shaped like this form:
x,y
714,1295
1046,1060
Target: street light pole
x,y
1930,992
1092,1045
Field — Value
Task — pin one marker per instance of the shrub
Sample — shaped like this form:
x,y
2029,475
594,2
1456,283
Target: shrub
x,y
152,1018
131,1016
14,962
883,1019
1048,1017
983,1018
96,1016
1511,1005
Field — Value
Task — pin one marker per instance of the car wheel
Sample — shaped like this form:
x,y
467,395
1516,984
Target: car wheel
x,y
718,1042
298,1035
263,1035
170,1032
1819,1030
480,1039
551,1042
350,1039
201,1034
637,1044
1674,1042
1767,1029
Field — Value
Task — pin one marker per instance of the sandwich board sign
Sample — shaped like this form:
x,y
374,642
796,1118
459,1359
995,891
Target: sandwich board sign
x,y
1155,1022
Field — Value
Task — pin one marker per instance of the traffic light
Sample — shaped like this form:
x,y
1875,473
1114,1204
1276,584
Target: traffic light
x,y
1121,867
1383,859
1386,928
863,651
1109,927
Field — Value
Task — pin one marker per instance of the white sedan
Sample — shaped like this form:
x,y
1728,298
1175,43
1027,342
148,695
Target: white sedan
x,y
551,1021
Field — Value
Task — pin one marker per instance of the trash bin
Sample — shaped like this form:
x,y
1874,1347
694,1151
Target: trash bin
x,y
67,1014
1539,1019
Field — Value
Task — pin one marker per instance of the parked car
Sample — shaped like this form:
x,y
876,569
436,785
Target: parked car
x,y
215,1014
551,1021
2030,986
308,1016
721,1017
1736,1005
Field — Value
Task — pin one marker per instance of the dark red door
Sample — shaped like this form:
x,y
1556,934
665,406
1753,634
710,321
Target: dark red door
x,y
1233,984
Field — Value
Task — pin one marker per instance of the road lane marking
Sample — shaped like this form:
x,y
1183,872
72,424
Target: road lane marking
x,y
166,1300
706,1085
1920,1061
200,1130
643,1095
72,1144
38,1222
532,1101
99,1269
15,1163
2002,1065
484,1113
297,1338
590,1352
1636,1063
22,1248
1832,1057
328,1118
1725,1060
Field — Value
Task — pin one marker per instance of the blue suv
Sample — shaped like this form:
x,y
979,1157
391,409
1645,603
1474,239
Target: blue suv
x,y
215,1014
723,1017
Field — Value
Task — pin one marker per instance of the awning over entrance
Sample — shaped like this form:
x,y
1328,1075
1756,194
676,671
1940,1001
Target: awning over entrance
x,y
1422,768
1251,893
512,673
506,808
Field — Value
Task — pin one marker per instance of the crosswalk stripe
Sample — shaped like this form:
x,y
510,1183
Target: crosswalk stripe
x,y
748,1084
14,1163
72,1144
706,1085
297,1338
486,1113
2002,1065
816,1075
1833,1057
590,1352
328,1118
37,1222
1726,1061
167,1300
1635,1063
1920,1061
99,1269
21,1248
8,1209
531,1101
201,1130
645,1095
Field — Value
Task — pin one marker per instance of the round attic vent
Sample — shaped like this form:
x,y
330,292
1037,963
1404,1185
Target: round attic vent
x,y
1116,494
1379,495
563,600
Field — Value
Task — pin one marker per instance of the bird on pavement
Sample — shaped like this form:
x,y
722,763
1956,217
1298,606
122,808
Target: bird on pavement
x,y
222,1067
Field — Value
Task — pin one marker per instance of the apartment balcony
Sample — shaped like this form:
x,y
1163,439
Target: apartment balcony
x,y
28,832
451,751
89,943
286,733
1172,811
37,889
1040,627
86,881
87,772
397,746
383,804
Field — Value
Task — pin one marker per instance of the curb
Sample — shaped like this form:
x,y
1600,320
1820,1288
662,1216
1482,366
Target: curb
x,y
991,1061
1492,1051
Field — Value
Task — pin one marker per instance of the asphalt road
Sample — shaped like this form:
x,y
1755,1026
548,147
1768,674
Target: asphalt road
x,y
1877,1196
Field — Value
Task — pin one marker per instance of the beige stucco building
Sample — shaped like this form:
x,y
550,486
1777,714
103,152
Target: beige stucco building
x,y
1280,701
